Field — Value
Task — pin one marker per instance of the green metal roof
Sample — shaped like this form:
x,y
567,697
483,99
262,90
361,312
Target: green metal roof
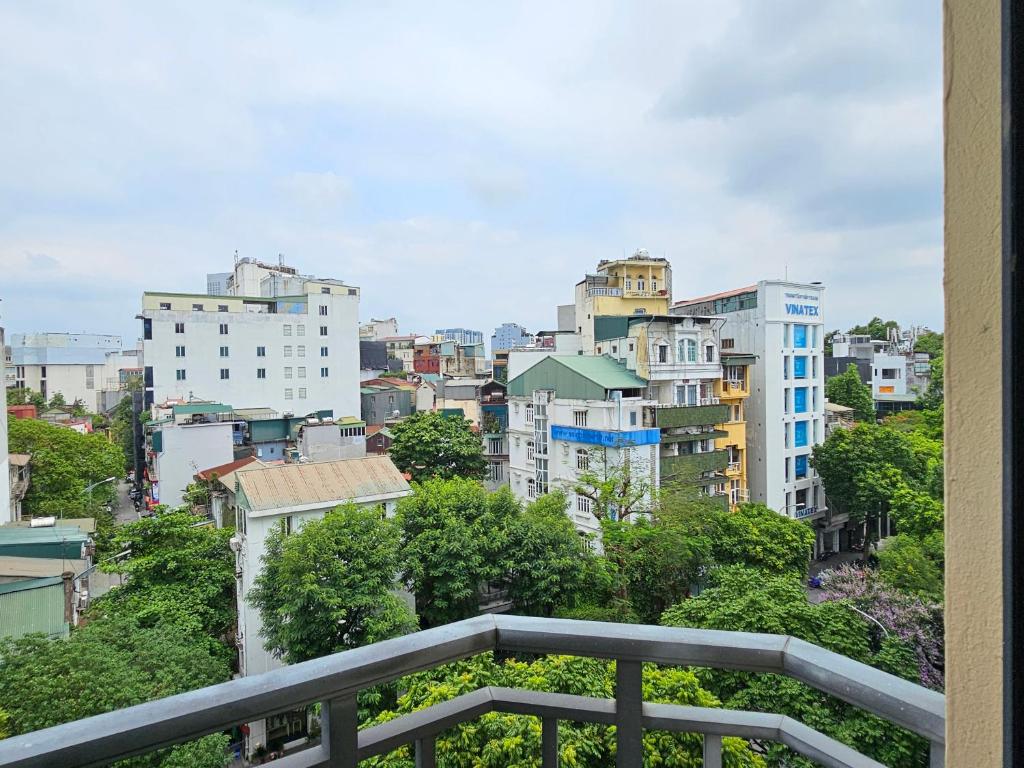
x,y
55,542
602,370
576,377
190,408
18,586
33,605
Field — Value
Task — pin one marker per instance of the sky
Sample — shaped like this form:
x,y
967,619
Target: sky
x,y
466,164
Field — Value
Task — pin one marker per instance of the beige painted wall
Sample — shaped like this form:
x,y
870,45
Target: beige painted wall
x,y
973,410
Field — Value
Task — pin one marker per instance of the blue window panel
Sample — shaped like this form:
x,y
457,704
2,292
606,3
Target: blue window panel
x,y
800,464
800,367
800,434
800,400
800,336
606,438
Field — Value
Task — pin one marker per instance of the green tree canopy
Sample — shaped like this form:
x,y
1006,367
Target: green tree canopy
x,y
759,537
847,389
64,463
876,328
106,665
25,396
499,740
428,444
930,342
330,586
910,565
177,572
749,600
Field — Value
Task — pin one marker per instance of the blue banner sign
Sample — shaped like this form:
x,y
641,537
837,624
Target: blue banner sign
x,y
607,439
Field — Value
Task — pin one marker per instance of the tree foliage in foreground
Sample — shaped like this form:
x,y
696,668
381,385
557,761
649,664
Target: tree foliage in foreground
x,y
330,586
499,740
457,538
428,444
750,601
109,664
64,463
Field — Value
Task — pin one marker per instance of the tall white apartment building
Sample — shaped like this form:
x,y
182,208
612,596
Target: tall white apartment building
x,y
6,514
571,414
782,325
76,365
295,354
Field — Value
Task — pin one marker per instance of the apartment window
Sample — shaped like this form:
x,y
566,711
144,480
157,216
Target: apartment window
x,y
800,367
688,351
261,351
225,373
323,351
300,329
800,400
223,329
287,372
288,394
728,343
300,351
222,308
494,446
786,430
223,351
800,336
786,464
654,284
179,351
800,434
582,459
632,418
639,283
391,399
800,467
324,289
323,373
323,330
787,334
302,393
302,372
890,373
495,472
631,346
323,310
814,337
542,476
814,399
785,366
287,350
629,284
785,401
287,330
814,366
531,488
663,353
737,413
709,353
529,413
584,504
197,307
179,327
261,373
579,418
165,305
529,450
147,329
179,374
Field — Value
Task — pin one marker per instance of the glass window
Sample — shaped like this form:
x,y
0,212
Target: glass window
x,y
197,307
800,400
165,305
223,351
531,488
222,307
529,450
300,351
785,366
799,434
288,394
582,459
579,418
179,327
225,373
302,372
179,351
800,466
800,336
800,367
529,413
261,373
288,351
323,330
223,329
287,373
688,351
709,353
786,432
323,373
287,330
302,393
261,351
663,353
180,374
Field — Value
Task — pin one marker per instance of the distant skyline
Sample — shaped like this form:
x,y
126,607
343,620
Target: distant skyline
x,y
467,166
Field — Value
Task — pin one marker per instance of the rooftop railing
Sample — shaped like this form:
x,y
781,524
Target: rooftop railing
x,y
335,680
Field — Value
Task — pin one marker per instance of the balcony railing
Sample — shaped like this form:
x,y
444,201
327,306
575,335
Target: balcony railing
x,y
709,411
335,680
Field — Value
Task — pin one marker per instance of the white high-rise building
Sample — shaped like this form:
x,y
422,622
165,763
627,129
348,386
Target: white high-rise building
x,y
295,354
79,366
782,325
5,467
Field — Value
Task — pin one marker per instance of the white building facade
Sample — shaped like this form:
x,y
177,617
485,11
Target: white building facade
x,y
177,452
76,365
6,514
782,325
295,354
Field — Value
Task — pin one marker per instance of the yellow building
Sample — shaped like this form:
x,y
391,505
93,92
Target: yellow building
x,y
732,390
639,285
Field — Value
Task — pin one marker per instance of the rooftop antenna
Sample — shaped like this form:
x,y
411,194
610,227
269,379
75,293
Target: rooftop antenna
x,y
236,256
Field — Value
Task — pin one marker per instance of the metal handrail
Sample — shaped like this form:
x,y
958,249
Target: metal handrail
x,y
335,680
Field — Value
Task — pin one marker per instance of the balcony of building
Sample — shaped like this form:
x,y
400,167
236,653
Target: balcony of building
x,y
334,681
692,467
706,411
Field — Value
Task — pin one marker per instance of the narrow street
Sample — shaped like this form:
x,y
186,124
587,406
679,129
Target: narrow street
x,y
124,510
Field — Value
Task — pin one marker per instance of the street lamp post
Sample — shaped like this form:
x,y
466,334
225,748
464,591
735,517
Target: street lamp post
x,y
88,489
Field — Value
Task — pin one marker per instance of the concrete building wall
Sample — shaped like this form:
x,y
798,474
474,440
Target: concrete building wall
x,y
290,339
188,449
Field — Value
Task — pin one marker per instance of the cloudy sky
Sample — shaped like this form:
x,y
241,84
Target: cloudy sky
x,y
466,164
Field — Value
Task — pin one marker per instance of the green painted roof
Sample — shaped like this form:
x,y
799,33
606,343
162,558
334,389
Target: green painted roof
x,y
19,586
601,370
187,408
575,377
33,605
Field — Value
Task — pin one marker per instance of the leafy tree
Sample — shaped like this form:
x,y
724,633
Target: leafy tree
x,y
64,463
759,537
177,573
908,565
615,491
876,328
57,401
105,665
915,512
25,396
930,342
498,740
847,389
933,396
926,423
330,586
457,538
751,601
122,421
428,444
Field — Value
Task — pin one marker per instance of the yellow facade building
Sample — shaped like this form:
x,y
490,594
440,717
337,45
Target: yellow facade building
x,y
732,390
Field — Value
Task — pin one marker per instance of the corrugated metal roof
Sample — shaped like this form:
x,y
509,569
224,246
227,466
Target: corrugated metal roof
x,y
191,408
38,567
33,605
601,370
713,296
325,482
222,470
